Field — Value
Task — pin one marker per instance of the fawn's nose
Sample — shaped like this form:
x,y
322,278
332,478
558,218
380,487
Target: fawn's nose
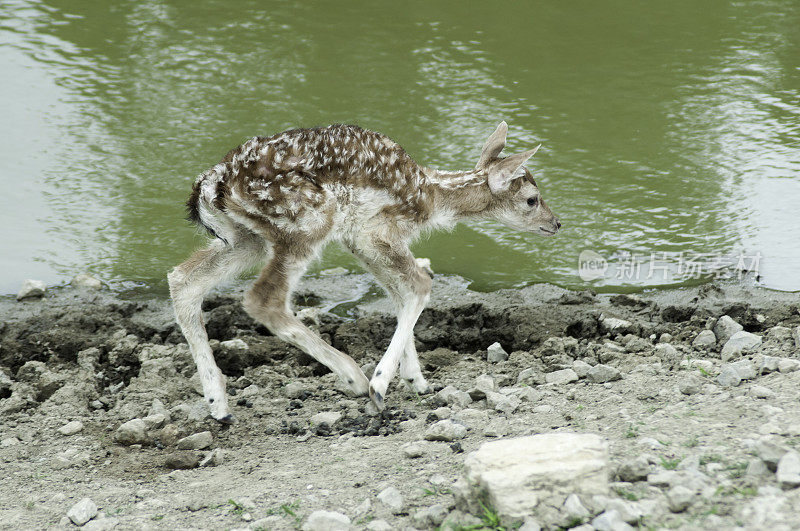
x,y
558,223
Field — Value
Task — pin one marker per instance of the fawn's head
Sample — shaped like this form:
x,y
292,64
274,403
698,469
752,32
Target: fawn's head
x,y
516,201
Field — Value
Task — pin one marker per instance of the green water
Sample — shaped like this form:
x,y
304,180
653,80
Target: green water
x,y
668,127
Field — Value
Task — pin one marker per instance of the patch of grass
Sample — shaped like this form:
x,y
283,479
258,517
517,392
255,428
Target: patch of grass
x,y
736,470
710,458
664,442
627,494
157,517
236,507
692,442
286,509
670,464
435,491
633,432
490,521
29,505
747,492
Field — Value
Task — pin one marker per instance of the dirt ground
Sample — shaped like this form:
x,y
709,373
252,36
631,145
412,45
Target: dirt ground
x,y
665,405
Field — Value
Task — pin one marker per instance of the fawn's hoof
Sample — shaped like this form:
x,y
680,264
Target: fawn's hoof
x,y
227,419
376,398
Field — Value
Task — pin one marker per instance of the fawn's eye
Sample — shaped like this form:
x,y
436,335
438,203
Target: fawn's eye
x,y
532,201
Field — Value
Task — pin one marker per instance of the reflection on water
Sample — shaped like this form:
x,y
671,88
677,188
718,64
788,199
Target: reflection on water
x,y
667,129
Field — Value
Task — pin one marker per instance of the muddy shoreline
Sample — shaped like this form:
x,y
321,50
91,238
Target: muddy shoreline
x,y
92,357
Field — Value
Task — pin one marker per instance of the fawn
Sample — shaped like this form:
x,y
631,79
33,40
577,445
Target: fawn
x,y
280,199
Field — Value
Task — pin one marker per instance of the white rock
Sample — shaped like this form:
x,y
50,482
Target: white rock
x,y
739,343
234,344
132,432
414,449
82,512
445,430
788,474
326,417
705,339
497,427
770,449
473,418
531,524
101,524
430,517
453,396
691,384
610,521
725,328
663,478
796,336
503,403
295,390
729,377
668,354
155,421
214,458
603,373
614,325
31,289
483,384
564,376
71,428
679,498
759,391
515,473
309,315
757,468
634,470
391,498
86,281
630,512
788,365
574,508
379,525
326,521
581,368
495,353
745,369
197,441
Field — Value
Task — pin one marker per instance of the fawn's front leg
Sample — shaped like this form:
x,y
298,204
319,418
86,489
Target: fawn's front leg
x,y
409,286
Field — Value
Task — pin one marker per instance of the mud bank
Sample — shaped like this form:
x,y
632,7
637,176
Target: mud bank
x,y
98,397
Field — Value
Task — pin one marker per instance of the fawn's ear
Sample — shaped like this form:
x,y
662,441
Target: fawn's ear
x,y
505,171
493,146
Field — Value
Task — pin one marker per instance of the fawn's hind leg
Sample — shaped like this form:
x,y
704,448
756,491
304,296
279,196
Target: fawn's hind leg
x,y
268,302
189,283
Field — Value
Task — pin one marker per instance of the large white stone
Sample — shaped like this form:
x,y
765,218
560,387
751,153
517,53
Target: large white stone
x,y
706,338
326,521
725,328
516,473
788,474
739,343
31,289
82,512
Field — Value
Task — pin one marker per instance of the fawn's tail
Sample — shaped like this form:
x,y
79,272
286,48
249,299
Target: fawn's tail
x,y
202,210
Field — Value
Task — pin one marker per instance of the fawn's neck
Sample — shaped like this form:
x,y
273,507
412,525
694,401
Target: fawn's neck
x,y
457,195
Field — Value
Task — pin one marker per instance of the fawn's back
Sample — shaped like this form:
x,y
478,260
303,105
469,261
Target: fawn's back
x,y
311,180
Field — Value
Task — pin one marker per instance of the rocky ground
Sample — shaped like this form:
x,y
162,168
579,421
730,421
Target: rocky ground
x,y
672,409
